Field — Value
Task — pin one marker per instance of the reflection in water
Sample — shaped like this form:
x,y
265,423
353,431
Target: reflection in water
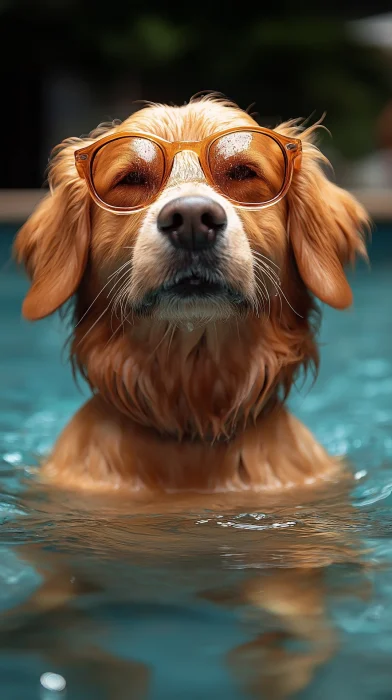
x,y
267,570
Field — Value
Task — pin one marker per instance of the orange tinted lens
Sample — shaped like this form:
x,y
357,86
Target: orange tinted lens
x,y
128,172
248,167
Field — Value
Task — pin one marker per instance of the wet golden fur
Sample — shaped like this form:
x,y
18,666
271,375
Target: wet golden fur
x,y
200,407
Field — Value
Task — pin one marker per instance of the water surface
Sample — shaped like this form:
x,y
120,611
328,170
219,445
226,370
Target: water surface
x,y
210,597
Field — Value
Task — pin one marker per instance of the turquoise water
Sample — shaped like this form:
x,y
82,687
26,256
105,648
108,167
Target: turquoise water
x,y
207,599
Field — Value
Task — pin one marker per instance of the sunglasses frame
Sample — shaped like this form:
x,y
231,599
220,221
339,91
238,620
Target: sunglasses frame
x,y
290,147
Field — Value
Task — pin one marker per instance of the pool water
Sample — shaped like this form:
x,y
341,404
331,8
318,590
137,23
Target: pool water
x,y
209,598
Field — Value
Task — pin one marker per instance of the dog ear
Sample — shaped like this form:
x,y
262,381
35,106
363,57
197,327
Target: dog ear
x,y
326,227
53,244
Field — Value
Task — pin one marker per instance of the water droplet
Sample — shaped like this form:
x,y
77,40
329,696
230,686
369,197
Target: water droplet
x,y
360,475
53,681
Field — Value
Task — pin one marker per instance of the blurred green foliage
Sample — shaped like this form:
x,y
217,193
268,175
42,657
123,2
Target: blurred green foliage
x,y
292,65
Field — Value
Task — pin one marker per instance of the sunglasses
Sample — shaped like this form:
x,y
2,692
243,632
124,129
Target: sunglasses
x,y
252,168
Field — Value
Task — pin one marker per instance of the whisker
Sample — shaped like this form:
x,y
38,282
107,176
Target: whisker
x,y
266,296
117,295
122,267
270,269
123,276
123,300
125,279
279,290
100,292
260,283
160,342
92,304
114,333
171,340
94,324
275,286
120,299
271,262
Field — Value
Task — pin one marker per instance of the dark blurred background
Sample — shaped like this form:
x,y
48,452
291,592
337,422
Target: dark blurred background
x,y
67,65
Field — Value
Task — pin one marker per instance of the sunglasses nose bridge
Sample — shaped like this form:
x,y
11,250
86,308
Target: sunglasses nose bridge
x,y
186,165
179,146
192,148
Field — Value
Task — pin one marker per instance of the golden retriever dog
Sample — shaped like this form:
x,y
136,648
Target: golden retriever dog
x,y
195,246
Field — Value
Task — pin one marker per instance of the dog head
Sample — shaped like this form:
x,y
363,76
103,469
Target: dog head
x,y
221,265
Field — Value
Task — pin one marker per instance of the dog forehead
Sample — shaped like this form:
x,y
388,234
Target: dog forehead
x,y
192,122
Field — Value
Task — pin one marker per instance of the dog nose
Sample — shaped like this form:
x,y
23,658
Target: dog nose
x,y
193,223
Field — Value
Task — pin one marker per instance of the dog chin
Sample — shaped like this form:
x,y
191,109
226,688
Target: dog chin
x,y
194,311
180,308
